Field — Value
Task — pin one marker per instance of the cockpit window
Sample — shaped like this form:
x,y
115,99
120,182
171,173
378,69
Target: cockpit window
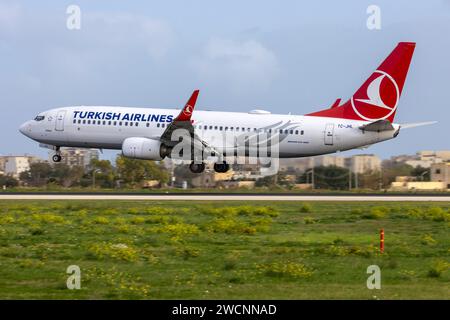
x,y
39,118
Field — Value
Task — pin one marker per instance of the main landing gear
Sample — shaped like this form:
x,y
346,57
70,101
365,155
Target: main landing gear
x,y
197,167
57,156
221,167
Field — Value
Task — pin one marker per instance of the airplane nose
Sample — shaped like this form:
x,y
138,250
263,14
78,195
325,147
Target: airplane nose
x,y
25,128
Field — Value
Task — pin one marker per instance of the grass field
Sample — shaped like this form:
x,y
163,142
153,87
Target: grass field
x,y
210,250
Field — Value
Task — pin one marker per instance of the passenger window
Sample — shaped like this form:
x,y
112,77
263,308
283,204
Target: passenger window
x,y
296,131
302,132
148,125
109,123
89,121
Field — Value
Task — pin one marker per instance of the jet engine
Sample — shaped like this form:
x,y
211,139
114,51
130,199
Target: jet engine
x,y
143,148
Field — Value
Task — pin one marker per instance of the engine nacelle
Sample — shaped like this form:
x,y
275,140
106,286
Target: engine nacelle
x,y
142,148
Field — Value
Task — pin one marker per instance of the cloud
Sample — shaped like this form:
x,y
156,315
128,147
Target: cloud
x,y
112,51
131,30
242,66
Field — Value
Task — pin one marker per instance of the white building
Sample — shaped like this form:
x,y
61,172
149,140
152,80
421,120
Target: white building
x,y
327,160
362,163
426,159
15,165
440,172
2,165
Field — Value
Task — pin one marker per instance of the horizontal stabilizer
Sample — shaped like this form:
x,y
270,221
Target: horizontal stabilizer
x,y
417,124
379,125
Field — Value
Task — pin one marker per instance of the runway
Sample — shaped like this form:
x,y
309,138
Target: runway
x,y
227,197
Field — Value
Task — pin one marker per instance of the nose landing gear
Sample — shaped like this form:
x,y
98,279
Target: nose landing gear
x,y
57,156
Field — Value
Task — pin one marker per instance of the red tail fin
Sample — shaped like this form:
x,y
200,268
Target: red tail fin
x,y
378,97
186,113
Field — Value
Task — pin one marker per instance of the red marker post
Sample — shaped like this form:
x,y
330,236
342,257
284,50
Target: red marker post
x,y
381,240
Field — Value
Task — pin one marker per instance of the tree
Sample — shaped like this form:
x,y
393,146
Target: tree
x,y
38,174
266,181
104,173
369,180
329,177
8,181
134,171
421,173
280,179
65,175
393,169
183,173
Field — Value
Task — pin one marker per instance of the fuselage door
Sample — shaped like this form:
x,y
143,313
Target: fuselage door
x,y
329,133
59,125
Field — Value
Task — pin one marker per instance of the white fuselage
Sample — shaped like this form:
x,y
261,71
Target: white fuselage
x,y
107,128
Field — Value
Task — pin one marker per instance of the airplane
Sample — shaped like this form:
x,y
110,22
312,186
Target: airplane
x,y
148,133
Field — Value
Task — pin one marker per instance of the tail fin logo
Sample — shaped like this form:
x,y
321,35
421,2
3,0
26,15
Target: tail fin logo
x,y
187,110
380,99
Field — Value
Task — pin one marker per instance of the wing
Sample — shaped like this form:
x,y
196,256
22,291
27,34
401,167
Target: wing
x,y
183,121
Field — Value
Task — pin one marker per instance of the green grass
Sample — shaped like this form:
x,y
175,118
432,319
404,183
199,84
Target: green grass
x,y
214,250
256,190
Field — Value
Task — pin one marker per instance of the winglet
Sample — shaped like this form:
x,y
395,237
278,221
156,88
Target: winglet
x,y
186,113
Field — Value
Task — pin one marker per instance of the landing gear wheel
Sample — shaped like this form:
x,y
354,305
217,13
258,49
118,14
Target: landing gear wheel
x,y
221,167
56,158
197,167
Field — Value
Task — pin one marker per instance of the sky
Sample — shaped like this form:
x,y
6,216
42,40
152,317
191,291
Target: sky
x,y
285,57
